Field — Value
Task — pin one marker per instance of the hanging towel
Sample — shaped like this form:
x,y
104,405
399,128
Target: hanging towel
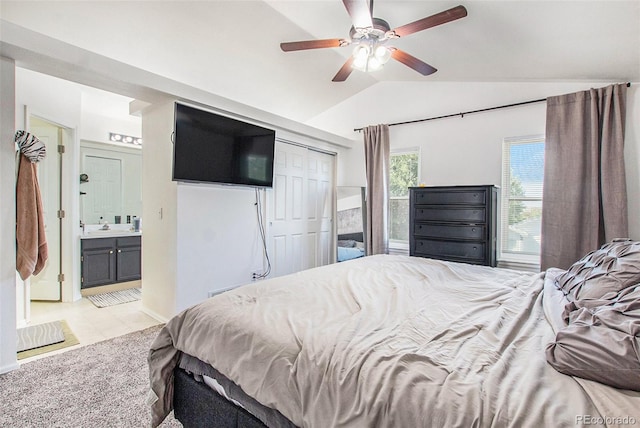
x,y
31,241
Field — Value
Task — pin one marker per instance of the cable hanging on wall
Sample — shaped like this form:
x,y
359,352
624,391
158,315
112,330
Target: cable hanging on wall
x,y
258,205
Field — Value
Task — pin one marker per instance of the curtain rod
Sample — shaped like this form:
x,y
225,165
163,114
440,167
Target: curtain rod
x,y
469,112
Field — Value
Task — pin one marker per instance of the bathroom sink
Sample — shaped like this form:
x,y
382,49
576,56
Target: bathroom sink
x,y
109,232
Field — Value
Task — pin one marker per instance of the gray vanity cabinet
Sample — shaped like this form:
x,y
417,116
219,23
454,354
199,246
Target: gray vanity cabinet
x,y
110,260
128,259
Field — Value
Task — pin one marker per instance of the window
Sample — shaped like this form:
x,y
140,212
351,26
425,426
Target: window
x,y
403,173
523,168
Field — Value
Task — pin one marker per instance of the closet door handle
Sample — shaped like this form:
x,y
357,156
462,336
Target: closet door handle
x,y
111,252
119,251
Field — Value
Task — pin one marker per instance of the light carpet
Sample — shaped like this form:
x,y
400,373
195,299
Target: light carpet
x,y
69,339
116,297
100,385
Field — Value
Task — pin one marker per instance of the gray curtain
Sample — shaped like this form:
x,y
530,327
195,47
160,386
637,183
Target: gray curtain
x,y
376,153
584,201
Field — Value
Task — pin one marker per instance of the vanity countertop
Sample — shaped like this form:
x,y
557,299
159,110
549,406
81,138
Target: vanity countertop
x,y
108,234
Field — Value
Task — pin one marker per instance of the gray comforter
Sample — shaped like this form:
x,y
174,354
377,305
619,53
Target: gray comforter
x,y
390,341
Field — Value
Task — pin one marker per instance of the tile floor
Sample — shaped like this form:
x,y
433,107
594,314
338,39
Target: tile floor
x,y
89,323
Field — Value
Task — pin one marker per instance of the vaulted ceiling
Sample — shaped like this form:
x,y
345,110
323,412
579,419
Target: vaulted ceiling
x,y
231,48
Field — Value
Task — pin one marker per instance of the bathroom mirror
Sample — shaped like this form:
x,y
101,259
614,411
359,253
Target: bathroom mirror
x,y
110,182
351,222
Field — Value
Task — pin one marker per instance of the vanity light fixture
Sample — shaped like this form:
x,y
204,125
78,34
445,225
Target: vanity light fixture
x,y
120,138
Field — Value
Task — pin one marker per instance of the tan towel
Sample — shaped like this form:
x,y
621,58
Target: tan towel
x,y
32,252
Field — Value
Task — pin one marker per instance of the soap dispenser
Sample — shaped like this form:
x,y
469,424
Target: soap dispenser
x,y
136,224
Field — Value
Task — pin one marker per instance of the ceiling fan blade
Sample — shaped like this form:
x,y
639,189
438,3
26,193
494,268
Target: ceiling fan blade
x,y
344,71
412,62
313,44
359,12
431,21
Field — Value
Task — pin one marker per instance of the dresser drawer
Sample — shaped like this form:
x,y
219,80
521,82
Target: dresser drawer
x,y
461,197
451,214
459,250
445,231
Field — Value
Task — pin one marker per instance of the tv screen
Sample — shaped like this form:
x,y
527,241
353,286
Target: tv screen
x,y
216,149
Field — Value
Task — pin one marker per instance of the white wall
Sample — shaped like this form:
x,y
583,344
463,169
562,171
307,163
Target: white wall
x,y
159,214
467,150
104,112
7,218
218,240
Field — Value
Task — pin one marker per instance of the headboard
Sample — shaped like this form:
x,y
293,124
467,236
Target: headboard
x,y
357,236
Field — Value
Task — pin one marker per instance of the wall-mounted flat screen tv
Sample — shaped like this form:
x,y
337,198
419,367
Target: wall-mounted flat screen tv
x,y
211,148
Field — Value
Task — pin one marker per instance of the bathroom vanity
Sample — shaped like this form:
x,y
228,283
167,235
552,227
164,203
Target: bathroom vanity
x,y
110,259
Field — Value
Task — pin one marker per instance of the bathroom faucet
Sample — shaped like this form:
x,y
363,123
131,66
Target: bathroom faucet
x,y
105,226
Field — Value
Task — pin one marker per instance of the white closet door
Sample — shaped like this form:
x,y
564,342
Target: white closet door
x,y
301,209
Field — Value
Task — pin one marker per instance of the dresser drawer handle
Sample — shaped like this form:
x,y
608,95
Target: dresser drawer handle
x,y
473,229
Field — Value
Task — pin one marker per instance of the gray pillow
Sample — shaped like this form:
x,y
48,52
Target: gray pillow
x,y
601,274
602,344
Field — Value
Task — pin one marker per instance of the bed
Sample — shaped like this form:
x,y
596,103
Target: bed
x,y
402,341
350,246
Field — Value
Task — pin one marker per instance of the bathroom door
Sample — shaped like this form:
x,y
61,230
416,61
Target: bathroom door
x,y
46,285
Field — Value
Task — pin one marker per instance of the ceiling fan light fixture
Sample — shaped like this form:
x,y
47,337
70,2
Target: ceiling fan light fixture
x,y
374,64
361,52
370,34
370,57
382,54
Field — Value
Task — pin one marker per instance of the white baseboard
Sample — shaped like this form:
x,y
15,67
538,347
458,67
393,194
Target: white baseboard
x,y
399,251
9,367
154,315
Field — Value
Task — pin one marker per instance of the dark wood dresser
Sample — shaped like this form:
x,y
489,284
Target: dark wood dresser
x,y
455,223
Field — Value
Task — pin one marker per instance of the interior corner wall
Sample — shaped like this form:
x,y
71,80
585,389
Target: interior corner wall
x,y
8,320
159,214
351,166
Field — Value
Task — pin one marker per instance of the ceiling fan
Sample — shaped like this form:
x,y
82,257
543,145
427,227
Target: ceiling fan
x,y
370,35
